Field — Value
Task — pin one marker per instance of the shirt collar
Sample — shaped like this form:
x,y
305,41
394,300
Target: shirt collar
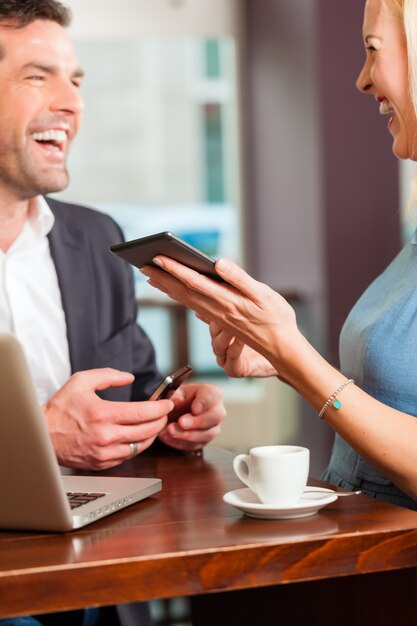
x,y
41,217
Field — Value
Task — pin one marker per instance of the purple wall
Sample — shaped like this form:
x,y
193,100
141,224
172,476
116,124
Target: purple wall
x,y
322,183
360,173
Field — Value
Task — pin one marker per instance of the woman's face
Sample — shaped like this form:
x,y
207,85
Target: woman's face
x,y
385,75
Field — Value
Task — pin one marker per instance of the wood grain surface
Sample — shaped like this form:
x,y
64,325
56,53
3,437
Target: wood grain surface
x,y
186,541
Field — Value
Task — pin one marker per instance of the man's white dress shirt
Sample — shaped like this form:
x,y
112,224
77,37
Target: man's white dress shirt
x,y
31,305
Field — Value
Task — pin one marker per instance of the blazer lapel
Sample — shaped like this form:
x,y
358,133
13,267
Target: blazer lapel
x,y
69,250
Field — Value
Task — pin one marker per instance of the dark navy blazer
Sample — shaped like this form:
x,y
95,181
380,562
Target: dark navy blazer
x,y
98,297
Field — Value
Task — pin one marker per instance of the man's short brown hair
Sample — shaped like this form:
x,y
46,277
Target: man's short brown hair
x,y
20,13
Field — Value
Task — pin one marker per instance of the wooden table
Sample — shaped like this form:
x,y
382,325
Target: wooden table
x,y
352,563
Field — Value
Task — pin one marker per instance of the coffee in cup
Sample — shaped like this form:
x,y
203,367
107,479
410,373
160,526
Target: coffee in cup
x,y
277,474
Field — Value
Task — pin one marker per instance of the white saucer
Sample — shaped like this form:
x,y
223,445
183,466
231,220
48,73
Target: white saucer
x,y
245,500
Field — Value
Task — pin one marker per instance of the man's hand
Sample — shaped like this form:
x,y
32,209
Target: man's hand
x,y
90,433
196,419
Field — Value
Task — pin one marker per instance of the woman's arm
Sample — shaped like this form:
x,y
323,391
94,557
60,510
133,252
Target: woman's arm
x,y
261,319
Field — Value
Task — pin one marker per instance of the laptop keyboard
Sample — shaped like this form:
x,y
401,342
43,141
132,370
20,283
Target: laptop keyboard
x,y
77,499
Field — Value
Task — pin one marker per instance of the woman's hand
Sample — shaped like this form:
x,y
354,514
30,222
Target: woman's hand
x,y
236,358
246,309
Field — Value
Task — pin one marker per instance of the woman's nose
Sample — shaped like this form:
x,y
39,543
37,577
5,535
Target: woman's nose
x,y
364,82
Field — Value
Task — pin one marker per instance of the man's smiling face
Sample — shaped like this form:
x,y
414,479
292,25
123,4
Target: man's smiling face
x,y
40,107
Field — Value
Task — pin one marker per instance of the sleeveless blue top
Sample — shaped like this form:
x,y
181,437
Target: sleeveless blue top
x,y
378,349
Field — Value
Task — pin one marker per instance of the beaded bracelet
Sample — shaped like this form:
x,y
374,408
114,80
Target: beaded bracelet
x,y
332,400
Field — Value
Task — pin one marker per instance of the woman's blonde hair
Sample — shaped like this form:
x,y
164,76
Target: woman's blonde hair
x,y
407,10
410,28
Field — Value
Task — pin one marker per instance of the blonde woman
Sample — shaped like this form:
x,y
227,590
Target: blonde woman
x,y
371,402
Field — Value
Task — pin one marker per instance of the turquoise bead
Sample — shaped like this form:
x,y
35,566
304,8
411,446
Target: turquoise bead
x,y
337,404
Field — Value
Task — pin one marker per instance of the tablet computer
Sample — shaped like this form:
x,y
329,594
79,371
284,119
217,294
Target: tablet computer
x,y
140,252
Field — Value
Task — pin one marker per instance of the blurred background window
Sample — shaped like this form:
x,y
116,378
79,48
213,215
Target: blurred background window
x,y
161,149
158,150
408,198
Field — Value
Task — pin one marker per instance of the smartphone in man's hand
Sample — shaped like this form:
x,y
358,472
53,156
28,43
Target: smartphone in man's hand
x,y
171,382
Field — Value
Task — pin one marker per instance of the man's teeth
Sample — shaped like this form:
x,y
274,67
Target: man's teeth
x,y
385,107
51,135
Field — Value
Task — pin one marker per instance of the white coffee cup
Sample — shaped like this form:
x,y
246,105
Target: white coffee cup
x,y
277,474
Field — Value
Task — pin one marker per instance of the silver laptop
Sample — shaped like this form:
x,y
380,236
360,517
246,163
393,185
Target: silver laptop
x,y
34,495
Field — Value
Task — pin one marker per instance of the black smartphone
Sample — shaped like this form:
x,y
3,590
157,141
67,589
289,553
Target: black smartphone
x,y
140,252
171,383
